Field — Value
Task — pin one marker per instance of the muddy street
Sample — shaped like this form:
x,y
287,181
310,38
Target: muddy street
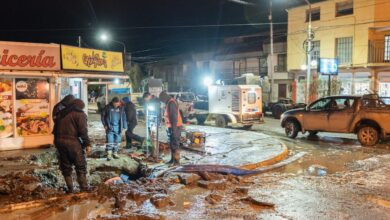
x,y
335,179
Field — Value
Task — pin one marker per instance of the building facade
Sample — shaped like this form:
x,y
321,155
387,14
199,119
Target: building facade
x,y
354,31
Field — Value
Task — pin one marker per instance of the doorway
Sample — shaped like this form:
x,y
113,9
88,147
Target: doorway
x,y
282,91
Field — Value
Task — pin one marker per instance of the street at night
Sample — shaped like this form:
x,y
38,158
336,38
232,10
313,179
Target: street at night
x,y
195,109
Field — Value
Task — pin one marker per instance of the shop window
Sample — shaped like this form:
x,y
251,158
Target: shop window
x,y
344,8
387,48
315,14
315,53
344,50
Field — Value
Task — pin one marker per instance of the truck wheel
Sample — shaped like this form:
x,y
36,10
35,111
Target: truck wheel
x,y
291,129
201,119
368,135
277,111
220,121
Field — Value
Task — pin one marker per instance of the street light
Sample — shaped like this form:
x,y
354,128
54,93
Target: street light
x,y
104,37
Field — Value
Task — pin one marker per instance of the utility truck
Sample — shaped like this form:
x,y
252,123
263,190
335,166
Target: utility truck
x,y
232,105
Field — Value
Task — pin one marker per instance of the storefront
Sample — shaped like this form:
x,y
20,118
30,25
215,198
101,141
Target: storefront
x,y
28,74
83,67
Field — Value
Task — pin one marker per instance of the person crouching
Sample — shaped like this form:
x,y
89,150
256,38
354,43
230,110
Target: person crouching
x,y
114,120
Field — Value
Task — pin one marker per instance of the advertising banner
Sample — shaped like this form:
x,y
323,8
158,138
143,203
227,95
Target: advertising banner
x,y
29,56
6,108
75,58
33,109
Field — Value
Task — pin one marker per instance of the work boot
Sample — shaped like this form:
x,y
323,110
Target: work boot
x,y
83,183
69,184
115,155
109,155
172,157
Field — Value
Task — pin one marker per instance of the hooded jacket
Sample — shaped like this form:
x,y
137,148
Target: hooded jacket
x,y
66,101
71,124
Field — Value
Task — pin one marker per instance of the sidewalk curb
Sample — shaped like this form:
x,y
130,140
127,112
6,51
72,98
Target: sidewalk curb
x,y
270,161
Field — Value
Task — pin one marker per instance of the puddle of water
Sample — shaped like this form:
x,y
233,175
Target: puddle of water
x,y
84,210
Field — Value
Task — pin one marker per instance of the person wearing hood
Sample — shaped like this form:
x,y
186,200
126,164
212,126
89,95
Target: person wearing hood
x,y
71,140
113,120
66,101
174,123
131,118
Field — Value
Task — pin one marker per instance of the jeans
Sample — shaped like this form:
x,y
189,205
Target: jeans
x,y
114,139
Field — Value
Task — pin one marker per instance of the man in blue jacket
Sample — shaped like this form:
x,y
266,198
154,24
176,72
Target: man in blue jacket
x,y
114,120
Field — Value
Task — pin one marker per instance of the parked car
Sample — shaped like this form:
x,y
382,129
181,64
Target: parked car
x,y
282,105
367,116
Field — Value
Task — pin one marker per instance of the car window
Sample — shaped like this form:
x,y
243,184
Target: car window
x,y
320,105
344,103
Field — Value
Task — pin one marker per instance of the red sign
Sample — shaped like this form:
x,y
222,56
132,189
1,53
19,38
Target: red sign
x,y
29,56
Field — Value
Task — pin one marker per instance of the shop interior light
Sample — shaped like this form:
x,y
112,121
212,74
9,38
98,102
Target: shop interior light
x,y
314,63
117,81
151,108
303,67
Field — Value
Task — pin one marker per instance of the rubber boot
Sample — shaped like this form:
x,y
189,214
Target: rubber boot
x,y
69,184
176,161
172,157
109,155
115,155
83,183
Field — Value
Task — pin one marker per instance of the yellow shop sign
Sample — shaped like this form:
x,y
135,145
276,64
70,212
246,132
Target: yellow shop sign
x,y
75,58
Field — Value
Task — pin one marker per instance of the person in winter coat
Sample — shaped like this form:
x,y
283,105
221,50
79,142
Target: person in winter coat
x,y
114,120
66,101
131,119
174,123
71,141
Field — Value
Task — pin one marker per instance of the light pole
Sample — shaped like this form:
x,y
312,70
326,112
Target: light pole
x,y
270,99
308,53
104,37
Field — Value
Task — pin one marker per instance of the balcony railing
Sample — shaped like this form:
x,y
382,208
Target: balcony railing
x,y
280,68
377,53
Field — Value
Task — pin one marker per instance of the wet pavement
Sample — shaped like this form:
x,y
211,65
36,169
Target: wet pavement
x,y
336,179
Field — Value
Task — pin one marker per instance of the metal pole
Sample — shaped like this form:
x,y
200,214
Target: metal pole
x,y
308,51
329,85
79,40
271,52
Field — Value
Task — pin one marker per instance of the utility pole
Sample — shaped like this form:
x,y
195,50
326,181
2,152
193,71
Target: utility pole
x,y
308,52
271,66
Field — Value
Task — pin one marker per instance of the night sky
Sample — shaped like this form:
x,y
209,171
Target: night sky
x,y
142,24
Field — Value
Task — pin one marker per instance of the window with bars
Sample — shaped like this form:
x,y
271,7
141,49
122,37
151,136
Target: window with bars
x,y
344,50
387,48
315,53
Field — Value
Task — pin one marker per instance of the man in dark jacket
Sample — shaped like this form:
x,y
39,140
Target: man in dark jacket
x,y
174,123
114,120
71,138
131,118
66,101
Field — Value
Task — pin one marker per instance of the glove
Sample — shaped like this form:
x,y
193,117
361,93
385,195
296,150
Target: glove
x,y
88,150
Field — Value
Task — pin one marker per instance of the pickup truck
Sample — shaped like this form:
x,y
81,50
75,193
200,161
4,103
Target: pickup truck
x,y
367,116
